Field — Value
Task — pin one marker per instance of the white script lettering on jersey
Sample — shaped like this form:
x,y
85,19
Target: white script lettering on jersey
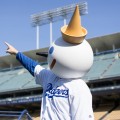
x,y
56,92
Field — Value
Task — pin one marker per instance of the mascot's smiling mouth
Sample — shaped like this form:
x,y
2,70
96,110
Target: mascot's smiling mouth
x,y
52,64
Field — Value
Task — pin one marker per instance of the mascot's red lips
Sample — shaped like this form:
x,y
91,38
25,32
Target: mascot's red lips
x,y
52,64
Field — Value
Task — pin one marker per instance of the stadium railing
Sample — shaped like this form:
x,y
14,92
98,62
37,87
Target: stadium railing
x,y
18,114
106,52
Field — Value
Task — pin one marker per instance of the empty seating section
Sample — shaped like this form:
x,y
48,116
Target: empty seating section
x,y
96,58
16,79
16,82
8,74
98,68
104,65
109,56
31,84
5,78
101,111
114,70
101,65
11,72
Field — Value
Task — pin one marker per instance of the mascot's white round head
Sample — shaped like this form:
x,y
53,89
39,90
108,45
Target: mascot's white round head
x,y
71,56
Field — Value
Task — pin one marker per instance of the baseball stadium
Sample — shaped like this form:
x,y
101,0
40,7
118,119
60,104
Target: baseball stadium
x,y
20,96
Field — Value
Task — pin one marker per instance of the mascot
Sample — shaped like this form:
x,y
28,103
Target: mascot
x,y
65,95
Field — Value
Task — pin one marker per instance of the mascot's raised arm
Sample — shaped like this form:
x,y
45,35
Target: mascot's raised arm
x,y
65,95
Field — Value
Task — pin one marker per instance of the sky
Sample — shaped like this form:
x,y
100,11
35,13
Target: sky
x,y
103,18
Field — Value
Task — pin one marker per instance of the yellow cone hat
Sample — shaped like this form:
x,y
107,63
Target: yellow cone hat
x,y
73,32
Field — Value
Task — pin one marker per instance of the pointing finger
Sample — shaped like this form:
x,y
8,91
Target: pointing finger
x,y
7,44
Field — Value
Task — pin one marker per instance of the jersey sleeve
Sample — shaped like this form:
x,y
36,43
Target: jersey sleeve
x,y
43,76
27,62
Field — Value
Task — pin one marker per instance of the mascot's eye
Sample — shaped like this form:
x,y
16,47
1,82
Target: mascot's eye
x,y
51,50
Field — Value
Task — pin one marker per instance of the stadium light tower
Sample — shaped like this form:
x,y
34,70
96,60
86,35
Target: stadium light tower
x,y
48,17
